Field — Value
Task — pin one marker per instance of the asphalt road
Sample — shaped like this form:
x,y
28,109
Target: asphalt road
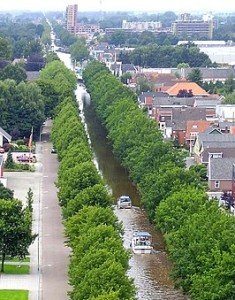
x,y
54,256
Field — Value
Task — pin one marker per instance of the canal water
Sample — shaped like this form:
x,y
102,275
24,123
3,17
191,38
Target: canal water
x,y
151,273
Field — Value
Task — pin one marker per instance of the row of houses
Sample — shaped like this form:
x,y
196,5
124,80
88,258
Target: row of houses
x,y
202,124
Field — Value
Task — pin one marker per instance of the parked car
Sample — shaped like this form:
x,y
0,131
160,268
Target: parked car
x,y
2,150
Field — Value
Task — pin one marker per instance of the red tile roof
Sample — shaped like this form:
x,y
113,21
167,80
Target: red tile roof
x,y
196,89
196,126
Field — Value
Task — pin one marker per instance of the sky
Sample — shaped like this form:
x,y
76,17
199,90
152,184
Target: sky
x,y
122,5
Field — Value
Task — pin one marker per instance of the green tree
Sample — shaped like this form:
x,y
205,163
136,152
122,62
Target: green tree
x,y
5,49
144,86
90,217
184,203
125,77
182,66
195,76
6,193
229,85
30,200
100,251
15,72
229,99
9,163
118,38
94,195
79,51
15,229
76,179
107,296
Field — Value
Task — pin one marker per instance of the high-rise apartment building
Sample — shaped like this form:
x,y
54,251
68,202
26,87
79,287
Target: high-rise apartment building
x,y
186,26
71,18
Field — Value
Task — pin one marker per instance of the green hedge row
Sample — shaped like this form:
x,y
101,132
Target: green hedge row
x,y
99,262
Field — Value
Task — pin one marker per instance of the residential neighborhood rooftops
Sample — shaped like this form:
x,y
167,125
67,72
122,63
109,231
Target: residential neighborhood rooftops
x,y
173,101
221,168
194,87
181,115
216,140
208,103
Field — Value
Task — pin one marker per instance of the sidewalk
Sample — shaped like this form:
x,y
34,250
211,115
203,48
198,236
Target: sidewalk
x,y
48,278
20,182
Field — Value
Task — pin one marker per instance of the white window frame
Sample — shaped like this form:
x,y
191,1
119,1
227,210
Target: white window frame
x,y
217,184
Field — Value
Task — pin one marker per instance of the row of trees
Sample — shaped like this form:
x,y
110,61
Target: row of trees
x,y
98,262
22,106
198,234
155,56
26,104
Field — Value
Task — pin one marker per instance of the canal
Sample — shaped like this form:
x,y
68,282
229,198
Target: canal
x,y
151,273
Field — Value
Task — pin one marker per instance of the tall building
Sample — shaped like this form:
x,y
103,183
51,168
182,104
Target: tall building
x,y
71,18
186,26
141,26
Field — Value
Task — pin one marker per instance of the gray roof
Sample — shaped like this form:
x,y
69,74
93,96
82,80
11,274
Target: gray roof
x,y
214,139
221,168
100,47
227,152
128,68
181,115
224,125
151,94
209,103
5,134
213,73
173,101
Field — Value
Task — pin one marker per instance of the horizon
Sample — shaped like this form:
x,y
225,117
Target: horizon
x,y
148,6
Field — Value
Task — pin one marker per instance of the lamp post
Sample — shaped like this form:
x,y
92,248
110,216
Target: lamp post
x,y
39,218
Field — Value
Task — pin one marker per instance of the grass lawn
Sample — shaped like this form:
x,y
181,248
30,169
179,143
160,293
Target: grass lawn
x,y
14,295
15,269
16,259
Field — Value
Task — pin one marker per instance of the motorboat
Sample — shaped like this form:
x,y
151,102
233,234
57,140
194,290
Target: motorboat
x,y
141,242
124,202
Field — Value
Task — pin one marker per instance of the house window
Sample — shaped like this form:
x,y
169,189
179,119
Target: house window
x,y
216,155
217,184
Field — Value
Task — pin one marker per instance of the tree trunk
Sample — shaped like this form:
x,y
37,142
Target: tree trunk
x,y
3,260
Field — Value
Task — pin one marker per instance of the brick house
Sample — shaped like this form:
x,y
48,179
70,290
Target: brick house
x,y
220,170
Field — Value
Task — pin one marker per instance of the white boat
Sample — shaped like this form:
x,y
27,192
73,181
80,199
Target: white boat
x,y
124,202
141,242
